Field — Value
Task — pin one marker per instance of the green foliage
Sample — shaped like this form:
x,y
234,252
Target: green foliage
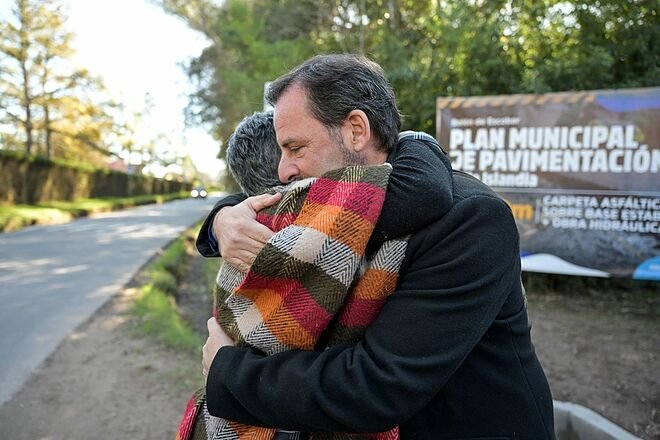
x,y
164,281
427,48
32,180
210,271
44,100
158,317
172,260
67,163
247,59
155,305
15,217
250,48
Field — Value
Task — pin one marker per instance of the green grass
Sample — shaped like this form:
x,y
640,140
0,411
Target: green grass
x,y
172,260
211,267
155,305
158,317
15,217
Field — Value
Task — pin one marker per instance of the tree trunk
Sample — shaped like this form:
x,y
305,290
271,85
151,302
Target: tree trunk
x,y
395,14
27,99
49,131
27,103
362,27
28,129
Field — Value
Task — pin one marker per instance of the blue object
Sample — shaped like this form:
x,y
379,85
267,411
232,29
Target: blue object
x,y
648,270
630,102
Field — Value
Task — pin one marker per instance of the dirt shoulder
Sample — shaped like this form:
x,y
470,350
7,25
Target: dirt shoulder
x,y
106,380
601,349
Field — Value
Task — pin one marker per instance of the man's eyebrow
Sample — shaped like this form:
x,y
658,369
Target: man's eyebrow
x,y
286,143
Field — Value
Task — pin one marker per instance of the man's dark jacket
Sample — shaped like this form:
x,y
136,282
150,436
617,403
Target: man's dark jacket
x,y
449,356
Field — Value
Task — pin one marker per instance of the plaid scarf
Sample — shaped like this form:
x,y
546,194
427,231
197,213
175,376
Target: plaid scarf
x,y
310,279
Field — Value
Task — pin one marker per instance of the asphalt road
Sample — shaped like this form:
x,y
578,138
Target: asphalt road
x,y
53,278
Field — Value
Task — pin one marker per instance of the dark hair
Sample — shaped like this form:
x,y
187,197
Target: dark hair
x,y
253,154
336,85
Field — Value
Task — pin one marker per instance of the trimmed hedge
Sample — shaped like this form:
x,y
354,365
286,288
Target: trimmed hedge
x,y
30,180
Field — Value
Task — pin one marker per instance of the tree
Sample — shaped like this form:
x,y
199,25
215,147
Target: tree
x,y
82,130
583,45
428,48
58,108
248,49
18,78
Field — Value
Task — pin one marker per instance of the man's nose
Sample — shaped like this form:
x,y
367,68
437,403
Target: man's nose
x,y
287,171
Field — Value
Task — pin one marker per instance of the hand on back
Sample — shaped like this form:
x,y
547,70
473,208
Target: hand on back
x,y
240,236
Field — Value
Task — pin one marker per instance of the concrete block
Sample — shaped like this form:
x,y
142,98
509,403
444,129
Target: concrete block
x,y
575,422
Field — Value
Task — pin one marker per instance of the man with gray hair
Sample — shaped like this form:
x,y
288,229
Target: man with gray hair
x,y
449,355
253,153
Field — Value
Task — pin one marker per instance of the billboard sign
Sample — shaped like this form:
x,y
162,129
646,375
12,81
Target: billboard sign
x,y
579,170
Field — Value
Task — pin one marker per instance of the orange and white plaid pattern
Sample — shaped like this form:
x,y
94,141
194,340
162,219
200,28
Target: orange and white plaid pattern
x,y
301,280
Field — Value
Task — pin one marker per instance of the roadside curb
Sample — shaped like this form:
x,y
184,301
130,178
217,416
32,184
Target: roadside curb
x,y
575,422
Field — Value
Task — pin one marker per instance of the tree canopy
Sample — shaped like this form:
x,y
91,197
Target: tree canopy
x,y
50,107
428,48
45,103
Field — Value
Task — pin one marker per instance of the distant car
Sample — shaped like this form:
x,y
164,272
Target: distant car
x,y
198,192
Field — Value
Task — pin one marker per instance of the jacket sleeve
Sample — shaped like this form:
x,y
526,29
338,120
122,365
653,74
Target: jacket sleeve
x,y
205,242
421,181
455,278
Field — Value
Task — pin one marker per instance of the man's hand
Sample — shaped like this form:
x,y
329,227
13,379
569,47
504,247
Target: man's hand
x,y
240,236
216,340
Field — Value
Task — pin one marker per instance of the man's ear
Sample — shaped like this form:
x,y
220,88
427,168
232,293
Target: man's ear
x,y
359,129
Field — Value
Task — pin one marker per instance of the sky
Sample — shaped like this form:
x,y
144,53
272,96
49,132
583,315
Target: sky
x,y
137,49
